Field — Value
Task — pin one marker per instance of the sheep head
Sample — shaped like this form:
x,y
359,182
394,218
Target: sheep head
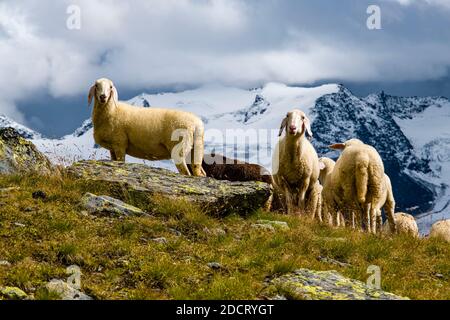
x,y
103,91
296,123
326,166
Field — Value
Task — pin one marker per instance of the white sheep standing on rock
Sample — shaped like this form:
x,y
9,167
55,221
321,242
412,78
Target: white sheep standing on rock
x,y
405,224
152,134
441,230
357,184
295,165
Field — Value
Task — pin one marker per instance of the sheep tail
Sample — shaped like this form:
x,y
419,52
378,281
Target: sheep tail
x,y
362,180
198,147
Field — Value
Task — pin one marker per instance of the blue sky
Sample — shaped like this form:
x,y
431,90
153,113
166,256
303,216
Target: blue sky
x,y
153,45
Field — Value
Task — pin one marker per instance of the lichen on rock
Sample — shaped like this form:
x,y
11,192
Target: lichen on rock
x,y
20,155
138,181
304,284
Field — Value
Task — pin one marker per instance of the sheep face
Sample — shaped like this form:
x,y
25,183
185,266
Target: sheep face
x,y
103,90
296,123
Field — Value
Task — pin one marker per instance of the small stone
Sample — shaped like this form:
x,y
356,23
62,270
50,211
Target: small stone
x,y
333,261
439,275
39,195
6,191
277,224
263,227
4,263
175,232
108,206
206,230
219,232
13,293
17,224
215,265
123,263
161,240
66,291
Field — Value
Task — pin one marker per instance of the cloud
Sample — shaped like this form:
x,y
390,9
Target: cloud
x,y
440,3
163,43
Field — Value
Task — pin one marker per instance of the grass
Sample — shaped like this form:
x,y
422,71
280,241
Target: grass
x,y
119,259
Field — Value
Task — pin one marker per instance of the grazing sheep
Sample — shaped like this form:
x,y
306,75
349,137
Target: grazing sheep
x,y
441,230
295,164
405,224
150,133
222,168
358,183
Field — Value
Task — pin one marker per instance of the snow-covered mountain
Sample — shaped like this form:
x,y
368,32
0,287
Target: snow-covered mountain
x,y
25,132
412,134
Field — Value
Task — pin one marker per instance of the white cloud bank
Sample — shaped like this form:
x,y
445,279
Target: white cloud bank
x,y
144,44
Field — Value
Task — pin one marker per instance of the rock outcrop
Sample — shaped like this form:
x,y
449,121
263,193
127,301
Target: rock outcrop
x,y
66,291
307,284
138,181
20,155
107,206
12,293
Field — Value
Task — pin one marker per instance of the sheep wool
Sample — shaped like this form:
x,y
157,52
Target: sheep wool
x,y
405,224
441,230
358,184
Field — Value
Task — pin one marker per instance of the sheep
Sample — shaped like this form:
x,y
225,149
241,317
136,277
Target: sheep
x,y
222,168
357,184
151,134
441,230
295,164
405,224
326,167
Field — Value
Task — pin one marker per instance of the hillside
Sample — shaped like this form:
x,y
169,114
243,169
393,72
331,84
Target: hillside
x,y
180,253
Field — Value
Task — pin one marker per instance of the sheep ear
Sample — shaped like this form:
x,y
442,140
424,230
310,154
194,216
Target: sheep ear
x,y
307,125
337,146
321,165
91,94
115,94
283,126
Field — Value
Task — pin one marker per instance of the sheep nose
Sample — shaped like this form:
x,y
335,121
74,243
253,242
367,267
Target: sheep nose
x,y
292,128
103,96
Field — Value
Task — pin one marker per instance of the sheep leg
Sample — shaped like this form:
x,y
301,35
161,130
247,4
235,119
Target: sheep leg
x,y
389,210
113,155
342,219
183,169
379,220
120,155
373,219
366,218
198,171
